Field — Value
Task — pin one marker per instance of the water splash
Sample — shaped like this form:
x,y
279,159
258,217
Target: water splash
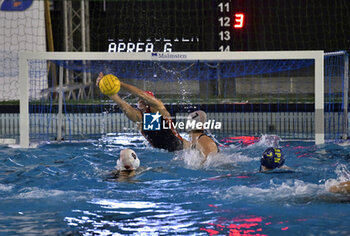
x,y
191,158
194,160
342,172
122,139
343,175
6,187
268,140
288,191
251,141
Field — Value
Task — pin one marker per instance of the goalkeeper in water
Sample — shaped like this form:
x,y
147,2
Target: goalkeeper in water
x,y
168,139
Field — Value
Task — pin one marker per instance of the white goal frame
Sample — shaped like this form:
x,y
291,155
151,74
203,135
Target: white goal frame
x,y
317,56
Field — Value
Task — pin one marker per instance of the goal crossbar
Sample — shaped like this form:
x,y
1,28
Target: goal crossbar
x,y
317,56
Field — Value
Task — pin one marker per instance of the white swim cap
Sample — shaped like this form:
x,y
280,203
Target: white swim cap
x,y
128,160
199,117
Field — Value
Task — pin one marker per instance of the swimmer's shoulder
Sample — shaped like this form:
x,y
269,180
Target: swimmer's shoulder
x,y
117,175
206,141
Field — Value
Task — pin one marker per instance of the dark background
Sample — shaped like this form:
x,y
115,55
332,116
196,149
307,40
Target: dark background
x,y
269,24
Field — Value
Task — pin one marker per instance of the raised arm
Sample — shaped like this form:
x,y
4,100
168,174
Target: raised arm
x,y
151,101
131,112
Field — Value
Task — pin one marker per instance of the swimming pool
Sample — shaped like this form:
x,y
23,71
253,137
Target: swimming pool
x,y
59,189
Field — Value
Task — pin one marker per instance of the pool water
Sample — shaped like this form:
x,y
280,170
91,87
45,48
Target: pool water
x,y
60,189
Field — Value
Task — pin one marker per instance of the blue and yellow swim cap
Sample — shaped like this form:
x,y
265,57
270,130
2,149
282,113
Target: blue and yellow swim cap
x,y
272,158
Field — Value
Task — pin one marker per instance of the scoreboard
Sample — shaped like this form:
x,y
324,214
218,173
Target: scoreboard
x,y
219,25
227,20
166,25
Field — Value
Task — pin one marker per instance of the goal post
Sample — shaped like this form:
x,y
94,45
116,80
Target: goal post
x,y
25,58
23,100
319,98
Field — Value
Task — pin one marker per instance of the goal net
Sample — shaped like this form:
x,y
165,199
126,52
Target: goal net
x,y
293,94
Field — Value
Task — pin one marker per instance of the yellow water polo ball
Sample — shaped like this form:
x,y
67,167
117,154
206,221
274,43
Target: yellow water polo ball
x,y
109,84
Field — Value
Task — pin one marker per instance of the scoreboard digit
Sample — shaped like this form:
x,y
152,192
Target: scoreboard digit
x,y
228,22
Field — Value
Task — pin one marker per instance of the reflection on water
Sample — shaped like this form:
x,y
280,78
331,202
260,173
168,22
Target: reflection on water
x,y
250,225
135,216
62,189
31,223
130,217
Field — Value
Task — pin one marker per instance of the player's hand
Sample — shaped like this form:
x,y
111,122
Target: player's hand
x,y
100,76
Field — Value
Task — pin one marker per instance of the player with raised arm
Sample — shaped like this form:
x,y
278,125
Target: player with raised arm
x,y
168,139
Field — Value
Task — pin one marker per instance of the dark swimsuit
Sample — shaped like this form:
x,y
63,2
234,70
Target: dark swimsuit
x,y
168,139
